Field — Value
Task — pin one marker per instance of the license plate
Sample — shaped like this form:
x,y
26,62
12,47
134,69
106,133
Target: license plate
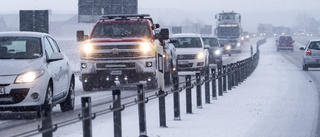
x,y
116,72
2,90
183,62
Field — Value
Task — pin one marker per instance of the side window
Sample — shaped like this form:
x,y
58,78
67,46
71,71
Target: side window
x,y
48,47
54,44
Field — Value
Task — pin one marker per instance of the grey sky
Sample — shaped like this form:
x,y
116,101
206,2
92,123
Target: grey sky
x,y
277,12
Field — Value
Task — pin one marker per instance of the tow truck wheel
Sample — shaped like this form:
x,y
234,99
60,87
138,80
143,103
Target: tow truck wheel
x,y
87,83
152,84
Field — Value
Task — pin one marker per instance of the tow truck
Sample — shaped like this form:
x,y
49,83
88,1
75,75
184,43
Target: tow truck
x,y
122,48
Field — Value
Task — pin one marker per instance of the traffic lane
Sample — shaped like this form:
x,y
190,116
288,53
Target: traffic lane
x,y
313,73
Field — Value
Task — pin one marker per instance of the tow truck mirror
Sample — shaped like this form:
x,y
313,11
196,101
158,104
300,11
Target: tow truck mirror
x,y
163,34
80,36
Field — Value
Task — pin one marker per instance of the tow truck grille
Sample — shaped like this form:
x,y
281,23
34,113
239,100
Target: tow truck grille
x,y
111,55
116,65
117,46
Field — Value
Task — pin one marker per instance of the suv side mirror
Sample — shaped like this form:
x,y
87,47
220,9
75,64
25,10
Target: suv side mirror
x,y
173,40
80,36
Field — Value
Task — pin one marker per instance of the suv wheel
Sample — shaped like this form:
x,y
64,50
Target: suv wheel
x,y
68,104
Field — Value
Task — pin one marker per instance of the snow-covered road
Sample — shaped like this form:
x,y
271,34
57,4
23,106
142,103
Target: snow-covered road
x,y
277,100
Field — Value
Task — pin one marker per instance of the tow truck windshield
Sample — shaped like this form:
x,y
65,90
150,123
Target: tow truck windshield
x,y
121,29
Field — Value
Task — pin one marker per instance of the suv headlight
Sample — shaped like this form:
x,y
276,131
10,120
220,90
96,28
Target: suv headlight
x,y
29,77
217,52
200,55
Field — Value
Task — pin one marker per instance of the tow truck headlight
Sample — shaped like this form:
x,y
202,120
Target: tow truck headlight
x,y
217,52
87,48
29,77
238,44
146,48
200,55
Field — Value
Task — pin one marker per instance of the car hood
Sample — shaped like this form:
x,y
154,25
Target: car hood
x,y
182,51
14,67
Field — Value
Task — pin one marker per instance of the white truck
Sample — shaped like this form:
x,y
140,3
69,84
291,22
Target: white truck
x,y
228,28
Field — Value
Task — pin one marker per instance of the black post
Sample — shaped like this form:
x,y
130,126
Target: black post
x,y
237,74
117,112
188,94
213,83
86,115
199,101
207,86
162,108
229,76
233,82
220,81
224,78
142,111
176,98
46,116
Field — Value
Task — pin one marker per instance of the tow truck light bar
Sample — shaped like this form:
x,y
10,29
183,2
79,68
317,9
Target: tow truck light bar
x,y
124,16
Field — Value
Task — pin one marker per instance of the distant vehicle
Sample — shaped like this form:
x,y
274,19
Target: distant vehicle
x,y
33,72
120,48
311,56
192,54
215,51
226,47
285,43
228,27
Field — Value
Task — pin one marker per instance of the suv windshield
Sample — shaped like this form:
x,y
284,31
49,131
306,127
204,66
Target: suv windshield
x,y
20,48
121,29
212,42
188,42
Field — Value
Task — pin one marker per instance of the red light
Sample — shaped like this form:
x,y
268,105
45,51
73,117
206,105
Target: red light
x,y
308,52
291,44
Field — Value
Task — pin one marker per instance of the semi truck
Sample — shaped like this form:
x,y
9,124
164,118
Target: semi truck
x,y
228,28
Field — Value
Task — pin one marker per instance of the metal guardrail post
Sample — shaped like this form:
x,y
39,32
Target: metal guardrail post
x,y
213,83
199,100
46,115
141,111
224,88
220,81
237,69
86,113
188,94
229,73
207,86
176,98
162,108
117,113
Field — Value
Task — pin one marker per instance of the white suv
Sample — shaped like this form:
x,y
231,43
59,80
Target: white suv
x,y
192,54
33,72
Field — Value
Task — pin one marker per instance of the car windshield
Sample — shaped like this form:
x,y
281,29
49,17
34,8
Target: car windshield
x,y
20,48
121,29
212,42
188,42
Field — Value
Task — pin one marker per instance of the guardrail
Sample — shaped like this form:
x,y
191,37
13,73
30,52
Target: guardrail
x,y
222,79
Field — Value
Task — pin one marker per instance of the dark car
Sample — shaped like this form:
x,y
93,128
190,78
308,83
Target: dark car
x,y
215,51
285,43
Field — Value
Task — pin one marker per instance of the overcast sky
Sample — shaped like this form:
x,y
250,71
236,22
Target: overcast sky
x,y
278,12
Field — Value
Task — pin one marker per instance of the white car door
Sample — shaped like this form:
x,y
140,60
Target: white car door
x,y
58,73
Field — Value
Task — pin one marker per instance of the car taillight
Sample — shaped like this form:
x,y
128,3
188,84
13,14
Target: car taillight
x,y
308,52
291,44
278,44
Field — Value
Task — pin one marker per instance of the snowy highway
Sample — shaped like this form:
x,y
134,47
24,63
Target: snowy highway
x,y
278,99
